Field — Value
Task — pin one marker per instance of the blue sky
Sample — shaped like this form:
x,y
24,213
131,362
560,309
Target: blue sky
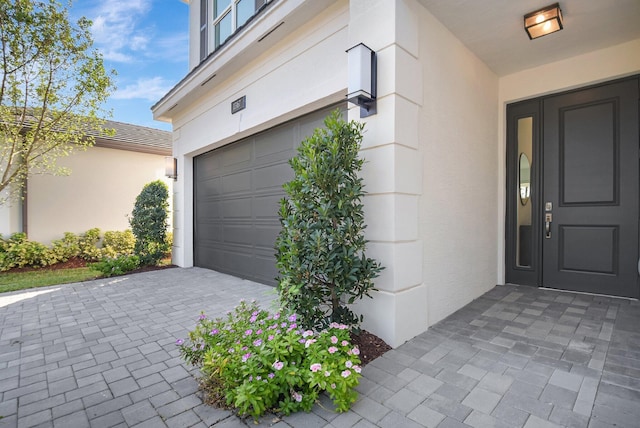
x,y
146,42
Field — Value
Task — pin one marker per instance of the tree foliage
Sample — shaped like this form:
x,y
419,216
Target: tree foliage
x,y
149,222
52,84
321,247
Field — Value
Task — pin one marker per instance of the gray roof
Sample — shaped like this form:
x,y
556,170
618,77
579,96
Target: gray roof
x,y
136,138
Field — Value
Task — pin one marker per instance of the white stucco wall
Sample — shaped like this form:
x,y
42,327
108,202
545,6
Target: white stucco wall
x,y
10,214
582,70
100,192
458,142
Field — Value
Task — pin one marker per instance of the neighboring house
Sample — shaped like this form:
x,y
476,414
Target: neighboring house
x,y
461,93
100,191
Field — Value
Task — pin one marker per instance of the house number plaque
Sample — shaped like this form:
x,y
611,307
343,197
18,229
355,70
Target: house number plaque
x,y
238,104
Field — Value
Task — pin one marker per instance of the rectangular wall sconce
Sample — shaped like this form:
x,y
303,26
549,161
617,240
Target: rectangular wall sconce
x,y
171,167
361,89
544,21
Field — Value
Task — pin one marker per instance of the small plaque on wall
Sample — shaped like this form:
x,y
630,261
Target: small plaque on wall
x,y
238,104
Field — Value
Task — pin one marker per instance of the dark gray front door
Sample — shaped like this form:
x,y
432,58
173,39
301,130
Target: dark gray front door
x,y
590,192
237,190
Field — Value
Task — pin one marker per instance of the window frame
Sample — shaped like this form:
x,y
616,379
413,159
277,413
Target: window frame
x,y
213,21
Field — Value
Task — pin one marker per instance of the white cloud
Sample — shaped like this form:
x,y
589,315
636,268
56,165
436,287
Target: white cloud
x,y
116,28
151,89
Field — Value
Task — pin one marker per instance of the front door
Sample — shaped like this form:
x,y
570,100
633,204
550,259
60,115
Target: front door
x,y
585,213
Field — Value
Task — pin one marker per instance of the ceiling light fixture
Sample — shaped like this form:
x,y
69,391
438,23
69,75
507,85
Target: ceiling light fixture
x,y
544,21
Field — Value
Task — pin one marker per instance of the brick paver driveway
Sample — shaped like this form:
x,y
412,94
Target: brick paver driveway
x,y
102,354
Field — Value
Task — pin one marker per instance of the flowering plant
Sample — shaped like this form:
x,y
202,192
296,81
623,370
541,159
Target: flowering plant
x,y
261,361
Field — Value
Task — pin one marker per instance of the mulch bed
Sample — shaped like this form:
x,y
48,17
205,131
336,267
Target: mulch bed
x,y
370,345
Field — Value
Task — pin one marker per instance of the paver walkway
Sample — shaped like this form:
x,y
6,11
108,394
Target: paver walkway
x,y
102,354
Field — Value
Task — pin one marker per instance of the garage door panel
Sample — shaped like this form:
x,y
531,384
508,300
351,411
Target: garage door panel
x,y
267,206
236,156
210,187
237,208
239,234
265,269
272,176
275,145
208,166
265,236
210,233
238,263
239,182
209,210
237,192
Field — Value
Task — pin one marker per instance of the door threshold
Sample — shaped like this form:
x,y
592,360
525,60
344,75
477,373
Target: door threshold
x,y
633,299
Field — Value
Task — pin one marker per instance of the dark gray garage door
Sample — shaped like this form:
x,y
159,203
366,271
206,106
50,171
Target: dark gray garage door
x,y
237,189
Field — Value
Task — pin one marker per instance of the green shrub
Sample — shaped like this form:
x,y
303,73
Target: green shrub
x,y
118,243
116,266
321,247
18,252
261,362
66,248
149,222
88,243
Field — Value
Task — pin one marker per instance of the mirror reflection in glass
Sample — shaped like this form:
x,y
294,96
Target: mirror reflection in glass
x,y
524,244
525,179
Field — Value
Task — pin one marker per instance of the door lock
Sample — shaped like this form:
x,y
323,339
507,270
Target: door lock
x,y
548,218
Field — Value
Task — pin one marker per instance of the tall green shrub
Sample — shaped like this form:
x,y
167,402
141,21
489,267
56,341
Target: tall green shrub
x,y
321,247
149,222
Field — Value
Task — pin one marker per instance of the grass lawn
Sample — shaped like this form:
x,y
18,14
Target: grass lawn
x,y
43,277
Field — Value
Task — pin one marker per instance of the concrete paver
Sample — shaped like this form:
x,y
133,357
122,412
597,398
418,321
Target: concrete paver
x,y
102,353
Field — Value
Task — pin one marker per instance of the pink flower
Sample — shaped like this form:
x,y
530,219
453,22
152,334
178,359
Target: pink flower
x,y
357,369
307,333
248,332
276,316
334,340
327,374
345,373
333,386
334,325
333,350
349,364
283,325
257,342
345,343
292,318
214,332
296,396
355,351
315,367
309,342
259,331
271,375
270,338
253,319
278,365
202,317
179,342
246,356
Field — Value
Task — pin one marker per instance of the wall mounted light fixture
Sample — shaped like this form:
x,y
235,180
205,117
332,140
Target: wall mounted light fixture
x,y
361,89
544,21
171,167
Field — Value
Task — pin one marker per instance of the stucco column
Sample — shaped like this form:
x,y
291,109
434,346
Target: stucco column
x,y
393,169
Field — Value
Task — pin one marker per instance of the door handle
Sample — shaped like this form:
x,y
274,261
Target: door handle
x,y
548,218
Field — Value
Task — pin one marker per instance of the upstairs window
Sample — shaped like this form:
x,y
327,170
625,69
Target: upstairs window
x,y
226,17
